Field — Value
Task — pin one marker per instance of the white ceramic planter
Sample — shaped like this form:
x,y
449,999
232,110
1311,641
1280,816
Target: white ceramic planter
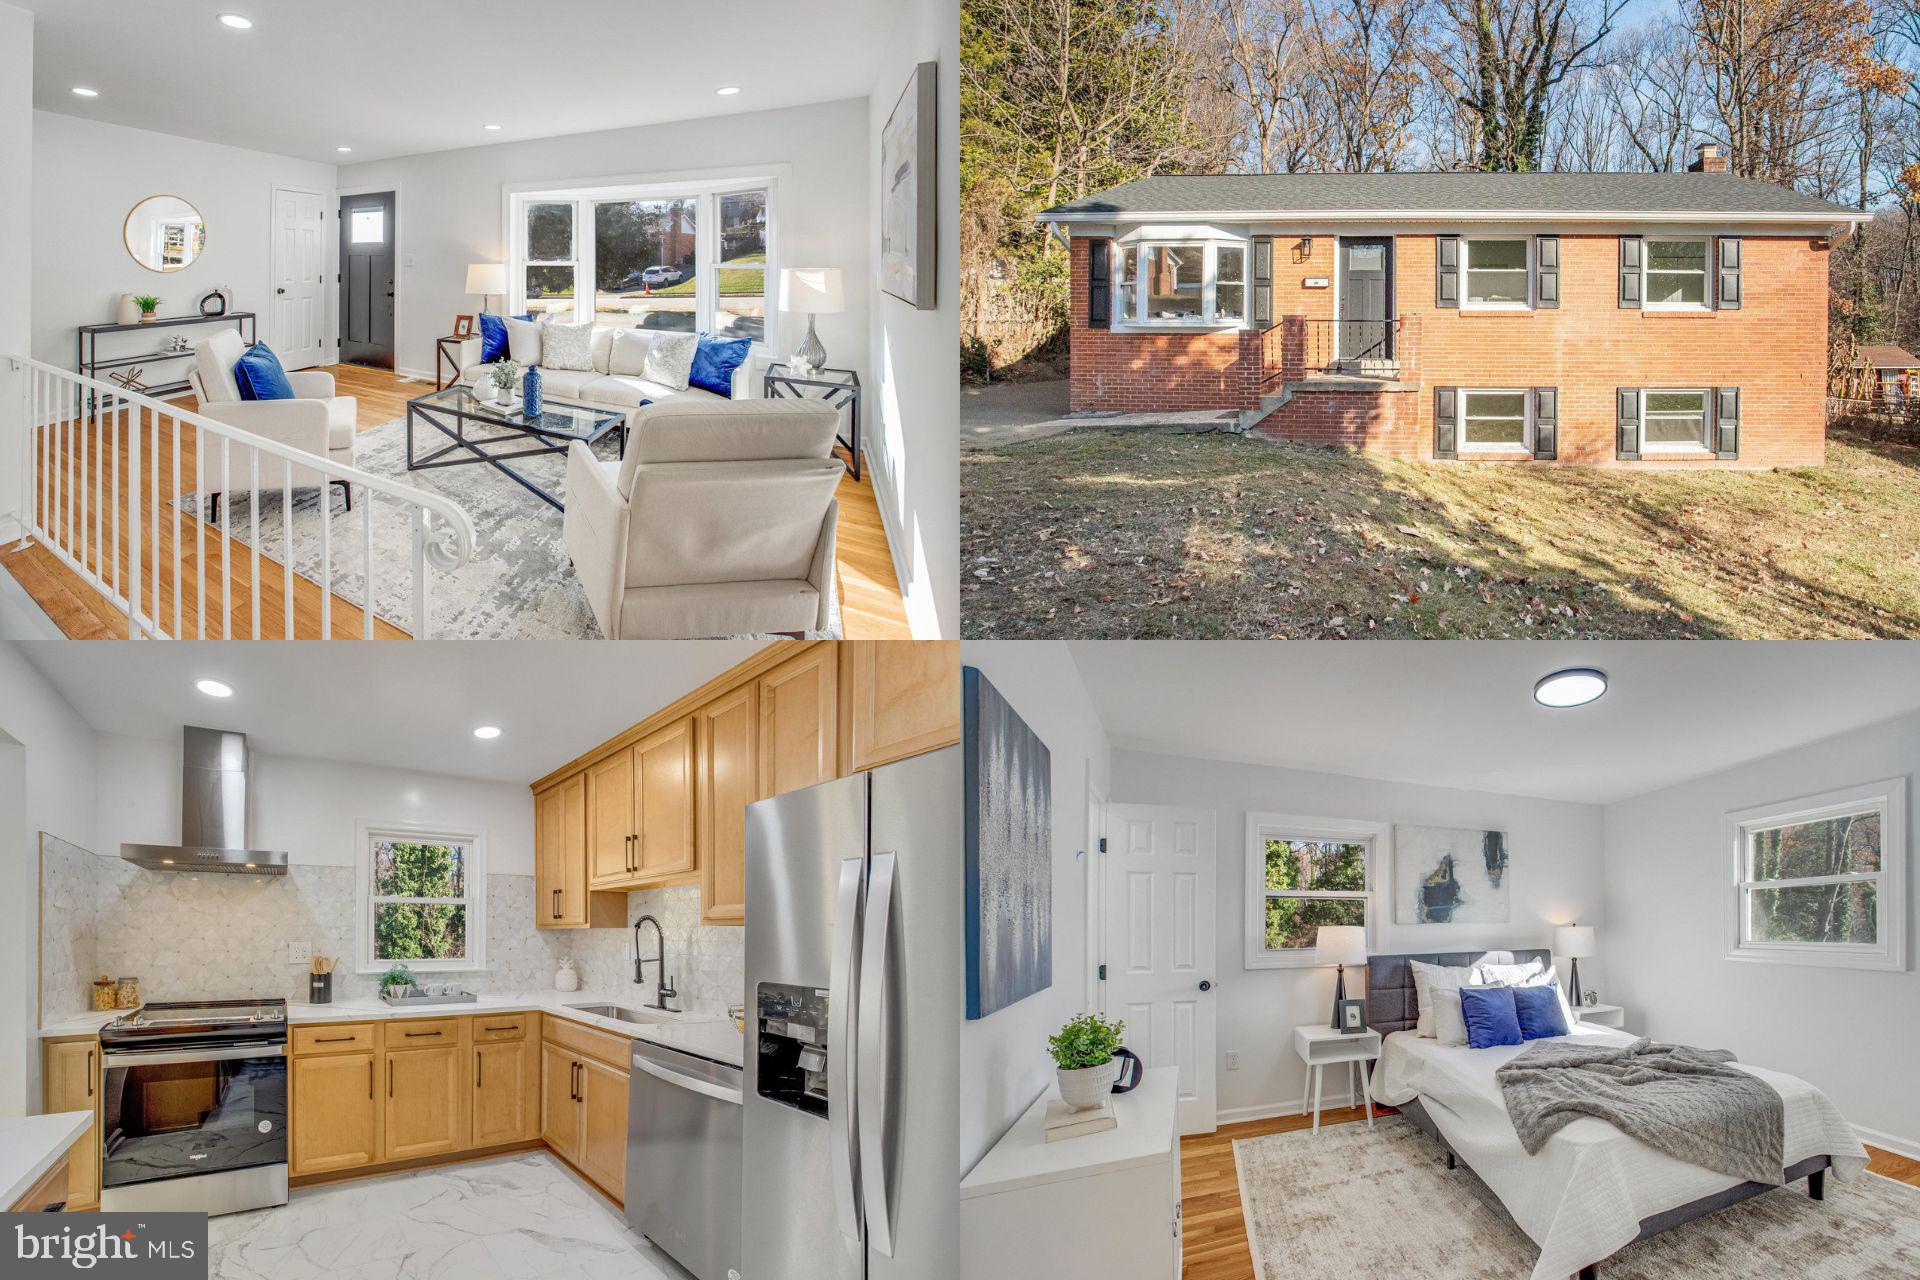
x,y
1084,1088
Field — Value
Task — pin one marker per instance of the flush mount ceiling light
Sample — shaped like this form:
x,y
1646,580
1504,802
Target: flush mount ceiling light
x,y
728,91
213,688
490,127
81,91
486,731
237,21
1574,687
343,149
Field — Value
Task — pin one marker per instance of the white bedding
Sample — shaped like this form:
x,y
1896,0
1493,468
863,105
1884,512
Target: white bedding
x,y
1583,1196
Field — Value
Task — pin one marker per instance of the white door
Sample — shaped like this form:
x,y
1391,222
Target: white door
x,y
1158,885
1096,917
296,318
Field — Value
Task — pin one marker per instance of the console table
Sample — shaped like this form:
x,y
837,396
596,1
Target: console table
x,y
88,363
837,387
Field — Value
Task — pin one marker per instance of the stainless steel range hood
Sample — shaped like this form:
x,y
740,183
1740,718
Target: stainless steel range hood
x,y
213,812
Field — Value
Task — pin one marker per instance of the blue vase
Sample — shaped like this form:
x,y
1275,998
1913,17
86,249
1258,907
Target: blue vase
x,y
531,393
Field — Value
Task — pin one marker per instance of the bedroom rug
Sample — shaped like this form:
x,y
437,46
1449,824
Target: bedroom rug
x,y
519,584
1347,1202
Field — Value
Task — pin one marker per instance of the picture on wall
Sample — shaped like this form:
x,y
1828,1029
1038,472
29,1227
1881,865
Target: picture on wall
x,y
1449,875
910,192
1009,851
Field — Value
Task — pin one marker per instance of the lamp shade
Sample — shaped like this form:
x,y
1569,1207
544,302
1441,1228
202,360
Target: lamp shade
x,y
815,290
486,277
1340,944
1574,941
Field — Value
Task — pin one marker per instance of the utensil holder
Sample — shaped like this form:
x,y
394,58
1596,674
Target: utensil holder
x,y
320,988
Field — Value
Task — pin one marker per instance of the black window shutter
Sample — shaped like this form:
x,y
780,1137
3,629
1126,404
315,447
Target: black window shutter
x,y
1628,448
1729,295
1546,423
1446,422
1726,423
1263,283
1632,269
1446,258
1100,284
1548,257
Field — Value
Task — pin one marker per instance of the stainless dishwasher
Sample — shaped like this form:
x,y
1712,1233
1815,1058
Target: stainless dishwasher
x,y
684,1158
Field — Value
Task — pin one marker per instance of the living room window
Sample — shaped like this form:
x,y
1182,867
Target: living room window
x,y
1495,422
422,899
1303,873
1674,422
1178,284
1677,275
550,266
1499,273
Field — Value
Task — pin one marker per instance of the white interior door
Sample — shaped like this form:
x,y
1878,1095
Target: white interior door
x,y
296,319
1158,884
1096,871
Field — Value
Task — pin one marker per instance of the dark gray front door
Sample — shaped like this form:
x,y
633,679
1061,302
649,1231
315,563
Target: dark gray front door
x,y
1366,285
366,279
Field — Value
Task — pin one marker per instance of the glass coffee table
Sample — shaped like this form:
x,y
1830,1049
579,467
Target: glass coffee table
x,y
496,435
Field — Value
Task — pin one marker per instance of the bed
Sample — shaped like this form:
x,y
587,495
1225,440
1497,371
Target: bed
x,y
1591,1190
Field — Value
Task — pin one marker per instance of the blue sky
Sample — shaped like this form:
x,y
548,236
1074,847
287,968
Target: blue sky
x,y
1638,11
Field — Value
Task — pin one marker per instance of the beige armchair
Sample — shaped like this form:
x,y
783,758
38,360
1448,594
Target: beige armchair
x,y
316,421
719,520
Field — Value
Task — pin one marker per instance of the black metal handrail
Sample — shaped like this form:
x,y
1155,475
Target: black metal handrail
x,y
1300,346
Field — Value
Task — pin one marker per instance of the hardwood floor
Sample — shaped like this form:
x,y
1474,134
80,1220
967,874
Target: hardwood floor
x,y
1214,1240
869,594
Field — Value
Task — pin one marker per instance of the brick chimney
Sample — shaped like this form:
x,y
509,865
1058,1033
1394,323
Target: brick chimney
x,y
1710,160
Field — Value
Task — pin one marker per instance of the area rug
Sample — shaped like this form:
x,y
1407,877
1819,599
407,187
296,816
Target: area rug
x,y
519,583
1349,1202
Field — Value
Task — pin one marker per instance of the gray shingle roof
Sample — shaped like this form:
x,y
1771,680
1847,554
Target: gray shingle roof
x,y
1491,194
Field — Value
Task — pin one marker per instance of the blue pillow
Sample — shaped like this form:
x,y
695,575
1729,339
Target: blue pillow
x,y
1490,1016
714,361
259,376
1538,1009
493,336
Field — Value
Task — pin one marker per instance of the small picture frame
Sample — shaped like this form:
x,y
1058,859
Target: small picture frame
x,y
463,326
1351,1017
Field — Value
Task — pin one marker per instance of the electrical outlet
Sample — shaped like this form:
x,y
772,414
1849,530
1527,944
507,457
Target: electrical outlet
x,y
299,952
1233,1059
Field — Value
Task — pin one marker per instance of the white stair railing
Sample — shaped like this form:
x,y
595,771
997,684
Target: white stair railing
x,y
93,495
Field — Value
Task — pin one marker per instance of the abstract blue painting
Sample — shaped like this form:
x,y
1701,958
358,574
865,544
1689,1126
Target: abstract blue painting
x,y
1449,875
1009,851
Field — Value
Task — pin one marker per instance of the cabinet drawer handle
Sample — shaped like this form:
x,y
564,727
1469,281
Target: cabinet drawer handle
x,y
411,1035
511,1026
334,1039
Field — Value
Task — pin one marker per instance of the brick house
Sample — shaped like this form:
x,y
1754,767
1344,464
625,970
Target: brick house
x,y
1642,319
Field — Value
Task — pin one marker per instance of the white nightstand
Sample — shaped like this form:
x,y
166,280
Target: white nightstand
x,y
1321,1046
1601,1015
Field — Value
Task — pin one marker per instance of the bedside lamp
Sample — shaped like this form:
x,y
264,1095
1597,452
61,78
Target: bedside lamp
x,y
486,279
816,291
1340,945
1575,942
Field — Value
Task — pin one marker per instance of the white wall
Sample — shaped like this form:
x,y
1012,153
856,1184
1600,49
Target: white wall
x,y
1003,1057
87,176
16,228
1555,874
453,211
1854,1033
914,412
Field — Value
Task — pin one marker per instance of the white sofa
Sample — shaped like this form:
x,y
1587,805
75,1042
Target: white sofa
x,y
601,388
316,421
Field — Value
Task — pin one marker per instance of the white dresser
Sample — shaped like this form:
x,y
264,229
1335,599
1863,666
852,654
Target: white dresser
x,y
1105,1206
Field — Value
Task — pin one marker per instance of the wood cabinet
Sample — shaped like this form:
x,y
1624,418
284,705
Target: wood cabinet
x,y
584,1103
611,855
560,1099
727,764
603,1127
335,1110
898,699
506,1091
70,1079
664,802
50,1190
800,722
427,1101
561,899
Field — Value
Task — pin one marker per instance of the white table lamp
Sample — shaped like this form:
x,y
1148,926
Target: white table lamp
x,y
486,279
1340,945
816,291
1575,942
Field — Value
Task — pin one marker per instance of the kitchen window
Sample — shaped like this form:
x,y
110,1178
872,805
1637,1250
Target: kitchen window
x,y
1677,275
1178,284
1303,873
422,899
1675,422
1499,273
1495,422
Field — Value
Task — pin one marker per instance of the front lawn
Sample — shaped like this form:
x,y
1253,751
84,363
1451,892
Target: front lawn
x,y
1124,535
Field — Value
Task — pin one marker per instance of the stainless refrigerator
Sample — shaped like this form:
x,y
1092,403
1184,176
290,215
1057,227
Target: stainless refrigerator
x,y
854,980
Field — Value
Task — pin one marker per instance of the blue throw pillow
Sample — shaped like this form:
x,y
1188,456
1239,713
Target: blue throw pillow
x,y
493,336
1538,1009
1490,1016
259,376
714,361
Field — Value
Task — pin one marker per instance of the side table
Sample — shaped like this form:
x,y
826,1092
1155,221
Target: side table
x,y
837,387
446,354
1320,1046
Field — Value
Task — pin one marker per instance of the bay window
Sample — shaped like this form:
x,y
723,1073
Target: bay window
x,y
1677,275
1177,283
1499,272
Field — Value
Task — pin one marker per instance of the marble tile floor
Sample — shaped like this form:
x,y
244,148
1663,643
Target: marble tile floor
x,y
517,1217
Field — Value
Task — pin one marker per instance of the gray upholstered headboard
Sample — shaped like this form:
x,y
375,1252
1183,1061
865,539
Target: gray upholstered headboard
x,y
1390,1000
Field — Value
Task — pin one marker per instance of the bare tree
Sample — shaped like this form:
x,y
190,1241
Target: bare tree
x,y
1365,57
1654,84
1262,47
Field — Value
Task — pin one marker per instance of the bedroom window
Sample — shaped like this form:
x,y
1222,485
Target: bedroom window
x,y
1674,422
1303,873
1677,275
422,900
1499,274
1822,880
1495,422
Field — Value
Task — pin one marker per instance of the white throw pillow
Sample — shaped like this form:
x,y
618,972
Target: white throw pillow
x,y
523,342
670,359
567,346
630,347
1430,978
1511,975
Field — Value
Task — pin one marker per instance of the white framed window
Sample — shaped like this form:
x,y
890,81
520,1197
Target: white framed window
x,y
1496,421
1676,421
1678,276
1174,284
1822,880
1499,273
422,898
1304,872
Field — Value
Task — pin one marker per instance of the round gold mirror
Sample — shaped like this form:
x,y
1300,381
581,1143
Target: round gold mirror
x,y
165,233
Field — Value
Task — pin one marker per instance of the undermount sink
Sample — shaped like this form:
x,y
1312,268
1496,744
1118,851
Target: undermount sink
x,y
620,1012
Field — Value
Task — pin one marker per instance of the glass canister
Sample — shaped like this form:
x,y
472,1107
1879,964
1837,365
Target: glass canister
x,y
105,994
127,993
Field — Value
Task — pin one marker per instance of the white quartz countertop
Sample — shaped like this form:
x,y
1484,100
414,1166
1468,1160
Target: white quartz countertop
x,y
702,1034
31,1145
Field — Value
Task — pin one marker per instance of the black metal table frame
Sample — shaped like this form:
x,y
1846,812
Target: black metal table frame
x,y
840,394
515,432
87,360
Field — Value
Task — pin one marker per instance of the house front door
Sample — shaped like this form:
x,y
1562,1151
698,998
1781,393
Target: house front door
x,y
1366,288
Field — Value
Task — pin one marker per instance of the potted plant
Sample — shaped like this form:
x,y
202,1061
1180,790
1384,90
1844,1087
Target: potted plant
x,y
1085,1051
397,980
148,305
505,374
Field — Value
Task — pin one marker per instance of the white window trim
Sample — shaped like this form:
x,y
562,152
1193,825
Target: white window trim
x,y
1466,276
1126,317
1668,449
1889,798
1647,273
476,899
1377,837
1524,448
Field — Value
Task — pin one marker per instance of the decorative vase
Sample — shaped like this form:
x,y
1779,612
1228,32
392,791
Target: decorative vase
x,y
128,312
568,978
1084,1088
148,317
531,389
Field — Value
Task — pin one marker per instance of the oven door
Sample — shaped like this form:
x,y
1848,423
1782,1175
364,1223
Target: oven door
x,y
185,1112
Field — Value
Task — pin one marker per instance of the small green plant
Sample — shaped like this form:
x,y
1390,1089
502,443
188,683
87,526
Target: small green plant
x,y
505,374
1087,1041
398,976
147,303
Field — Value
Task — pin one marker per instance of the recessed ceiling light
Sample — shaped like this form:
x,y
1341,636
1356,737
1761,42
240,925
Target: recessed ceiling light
x,y
487,731
237,21
214,689
343,149
490,126
81,91
1574,687
728,91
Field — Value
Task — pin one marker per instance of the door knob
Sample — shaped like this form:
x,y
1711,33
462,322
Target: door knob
x,y
279,290
1206,984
